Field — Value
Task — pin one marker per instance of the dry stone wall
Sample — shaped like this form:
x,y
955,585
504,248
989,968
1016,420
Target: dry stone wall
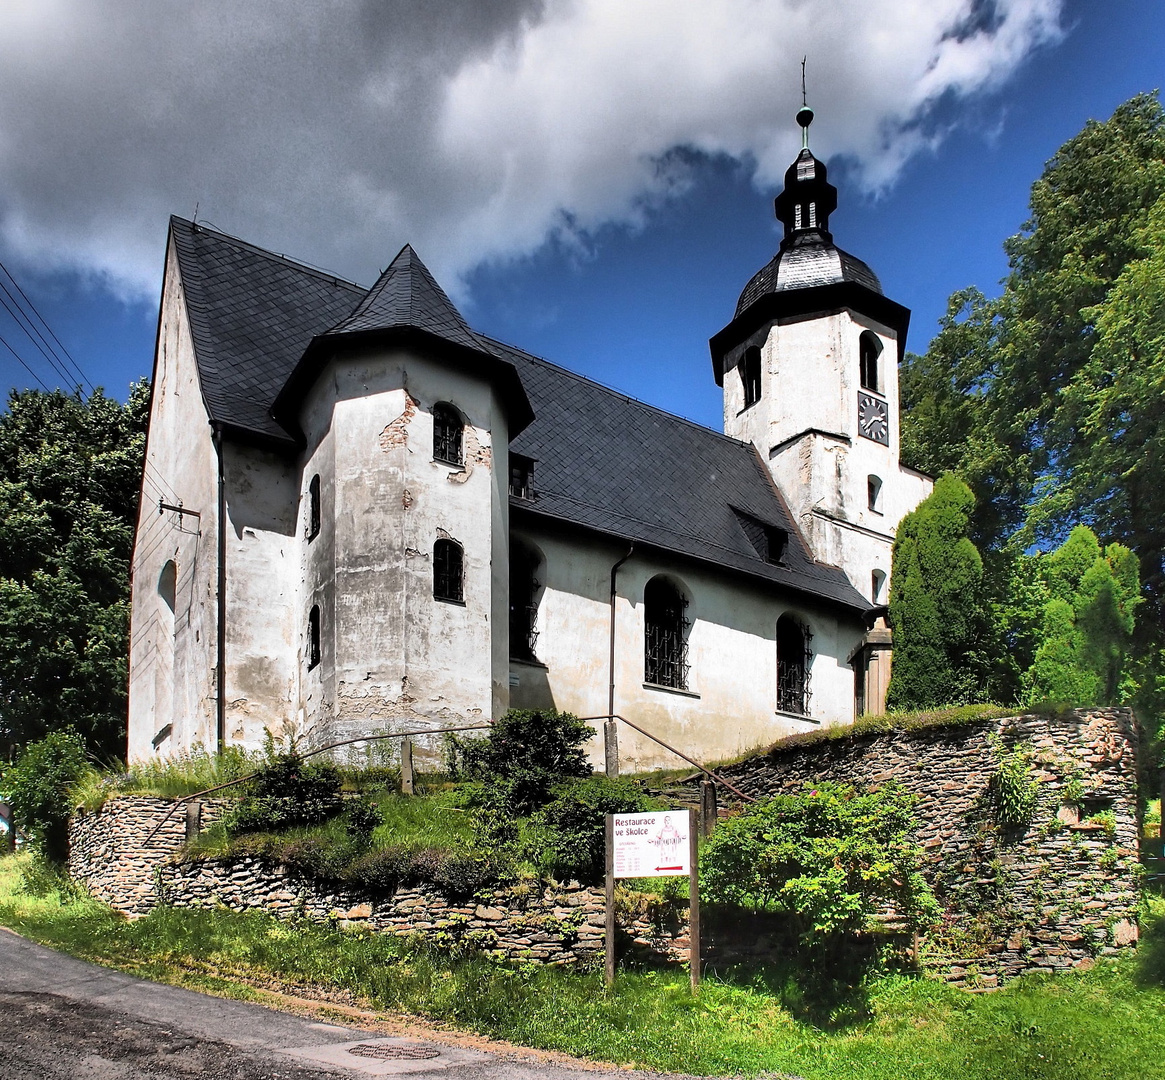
x,y
115,851
1050,895
528,921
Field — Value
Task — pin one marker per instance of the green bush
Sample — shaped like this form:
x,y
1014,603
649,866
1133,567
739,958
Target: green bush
x,y
38,788
1013,791
831,857
567,836
526,753
287,793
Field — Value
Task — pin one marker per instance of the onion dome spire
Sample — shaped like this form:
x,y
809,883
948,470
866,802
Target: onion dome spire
x,y
809,198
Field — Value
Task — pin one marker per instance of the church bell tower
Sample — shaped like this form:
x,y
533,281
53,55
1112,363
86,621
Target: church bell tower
x,y
809,369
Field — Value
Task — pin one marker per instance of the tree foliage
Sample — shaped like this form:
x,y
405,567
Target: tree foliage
x,y
1086,621
69,475
937,610
832,857
38,788
1045,400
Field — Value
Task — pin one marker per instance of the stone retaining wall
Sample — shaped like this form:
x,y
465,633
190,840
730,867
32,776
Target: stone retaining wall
x,y
112,852
550,924
1048,896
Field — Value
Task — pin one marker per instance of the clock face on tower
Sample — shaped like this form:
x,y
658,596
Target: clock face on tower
x,y
872,419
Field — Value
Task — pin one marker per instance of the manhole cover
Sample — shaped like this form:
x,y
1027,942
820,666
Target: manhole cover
x,y
395,1051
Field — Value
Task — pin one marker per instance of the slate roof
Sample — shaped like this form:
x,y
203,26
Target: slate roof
x,y
803,265
603,461
406,294
252,313
616,465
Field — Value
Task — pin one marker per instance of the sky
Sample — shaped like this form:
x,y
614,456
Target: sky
x,y
590,180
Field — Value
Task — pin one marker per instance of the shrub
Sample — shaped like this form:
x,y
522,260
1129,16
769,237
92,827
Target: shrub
x,y
287,793
567,837
831,857
526,753
361,817
38,788
1013,791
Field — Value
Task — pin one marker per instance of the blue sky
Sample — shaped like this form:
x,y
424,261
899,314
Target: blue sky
x,y
621,279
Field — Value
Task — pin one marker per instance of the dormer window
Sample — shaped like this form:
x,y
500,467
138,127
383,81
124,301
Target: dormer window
x,y
521,477
768,541
750,365
869,351
448,434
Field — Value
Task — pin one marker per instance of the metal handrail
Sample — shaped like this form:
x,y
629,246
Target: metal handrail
x,y
678,753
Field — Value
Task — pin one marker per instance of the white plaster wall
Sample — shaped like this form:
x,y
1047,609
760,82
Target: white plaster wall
x,y
810,380
393,656
263,560
731,703
172,655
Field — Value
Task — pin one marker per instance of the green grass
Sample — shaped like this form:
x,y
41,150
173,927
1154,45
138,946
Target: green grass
x,y
168,778
1106,1023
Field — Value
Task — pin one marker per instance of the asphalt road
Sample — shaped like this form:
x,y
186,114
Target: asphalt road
x,y
64,1019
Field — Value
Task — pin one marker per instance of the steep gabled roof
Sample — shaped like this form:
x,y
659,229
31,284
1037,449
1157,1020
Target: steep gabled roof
x,y
262,323
252,313
620,467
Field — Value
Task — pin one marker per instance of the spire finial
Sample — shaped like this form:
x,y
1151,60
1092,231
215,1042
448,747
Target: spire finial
x,y
804,114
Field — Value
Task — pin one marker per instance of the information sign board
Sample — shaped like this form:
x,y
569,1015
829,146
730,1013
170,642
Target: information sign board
x,y
652,845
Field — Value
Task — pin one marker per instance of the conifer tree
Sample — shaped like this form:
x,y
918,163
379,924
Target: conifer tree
x,y
937,610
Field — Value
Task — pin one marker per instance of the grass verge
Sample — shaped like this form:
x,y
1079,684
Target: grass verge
x,y
1103,1023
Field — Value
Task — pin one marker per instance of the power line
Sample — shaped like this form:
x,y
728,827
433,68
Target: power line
x,y
20,360
58,357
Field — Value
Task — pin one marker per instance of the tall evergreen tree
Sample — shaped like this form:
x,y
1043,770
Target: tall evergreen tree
x,y
937,610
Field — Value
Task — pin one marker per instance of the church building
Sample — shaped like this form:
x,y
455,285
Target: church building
x,y
359,515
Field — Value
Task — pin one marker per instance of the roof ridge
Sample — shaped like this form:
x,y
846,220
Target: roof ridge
x,y
630,399
273,256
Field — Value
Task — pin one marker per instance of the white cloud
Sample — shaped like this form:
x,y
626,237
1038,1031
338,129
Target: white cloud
x,y
476,130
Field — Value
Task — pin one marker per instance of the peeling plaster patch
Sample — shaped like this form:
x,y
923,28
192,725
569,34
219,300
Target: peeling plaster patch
x,y
475,454
413,553
397,432
406,499
445,535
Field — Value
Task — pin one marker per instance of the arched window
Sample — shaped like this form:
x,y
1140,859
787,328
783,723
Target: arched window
x,y
665,646
313,637
313,507
877,581
448,434
448,581
869,349
168,584
525,588
874,493
750,375
793,658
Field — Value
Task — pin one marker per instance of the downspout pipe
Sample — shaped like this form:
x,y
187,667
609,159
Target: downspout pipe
x,y
611,659
221,618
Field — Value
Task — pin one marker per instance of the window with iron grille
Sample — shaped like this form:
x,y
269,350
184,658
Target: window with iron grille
x,y
524,587
448,434
665,660
313,637
448,580
750,375
793,659
521,477
313,507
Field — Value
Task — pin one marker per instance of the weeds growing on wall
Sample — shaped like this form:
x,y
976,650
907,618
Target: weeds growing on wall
x,y
1014,792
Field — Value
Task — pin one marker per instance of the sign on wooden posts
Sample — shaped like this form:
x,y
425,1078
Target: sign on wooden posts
x,y
660,844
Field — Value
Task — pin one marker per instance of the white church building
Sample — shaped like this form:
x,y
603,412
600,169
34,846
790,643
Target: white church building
x,y
358,515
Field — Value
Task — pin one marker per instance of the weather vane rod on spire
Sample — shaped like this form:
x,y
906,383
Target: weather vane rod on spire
x,y
804,114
